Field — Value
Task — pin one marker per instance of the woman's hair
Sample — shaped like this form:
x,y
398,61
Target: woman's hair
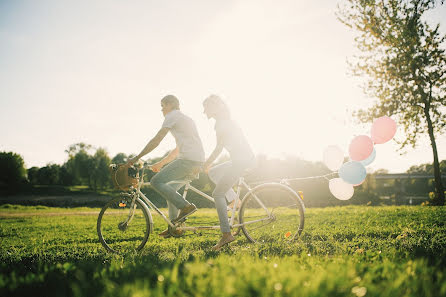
x,y
171,99
219,105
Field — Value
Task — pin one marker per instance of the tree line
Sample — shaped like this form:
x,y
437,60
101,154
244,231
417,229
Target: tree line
x,y
88,166
85,165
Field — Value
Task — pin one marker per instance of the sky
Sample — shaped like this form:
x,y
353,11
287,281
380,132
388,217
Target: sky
x,y
95,71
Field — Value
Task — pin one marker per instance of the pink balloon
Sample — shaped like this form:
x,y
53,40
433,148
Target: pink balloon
x,y
360,148
383,129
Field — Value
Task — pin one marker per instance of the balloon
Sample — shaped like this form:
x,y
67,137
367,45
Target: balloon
x,y
333,157
370,159
352,172
340,189
359,183
383,129
360,148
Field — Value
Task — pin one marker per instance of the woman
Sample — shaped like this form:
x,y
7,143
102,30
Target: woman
x,y
230,137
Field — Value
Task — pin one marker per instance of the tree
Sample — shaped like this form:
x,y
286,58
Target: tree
x,y
12,170
404,63
81,163
32,175
101,175
120,158
66,178
48,175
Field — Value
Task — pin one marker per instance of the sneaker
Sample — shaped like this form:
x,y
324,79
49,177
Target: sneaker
x,y
165,233
184,212
169,232
177,233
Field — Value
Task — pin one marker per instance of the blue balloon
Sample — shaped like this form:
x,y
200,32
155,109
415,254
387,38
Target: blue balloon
x,y
370,159
352,172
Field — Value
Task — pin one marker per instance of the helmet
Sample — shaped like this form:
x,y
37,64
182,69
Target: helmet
x,y
124,176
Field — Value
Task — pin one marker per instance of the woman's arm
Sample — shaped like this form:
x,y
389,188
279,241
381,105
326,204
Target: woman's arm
x,y
214,155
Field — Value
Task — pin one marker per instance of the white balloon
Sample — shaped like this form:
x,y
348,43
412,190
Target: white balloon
x,y
340,189
333,157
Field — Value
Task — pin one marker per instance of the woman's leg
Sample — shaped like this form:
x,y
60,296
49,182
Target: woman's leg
x,y
228,179
216,173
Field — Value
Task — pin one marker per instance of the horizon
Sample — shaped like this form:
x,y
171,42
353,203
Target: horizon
x,y
95,73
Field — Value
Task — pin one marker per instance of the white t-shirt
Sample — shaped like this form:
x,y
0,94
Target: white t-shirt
x,y
234,140
186,135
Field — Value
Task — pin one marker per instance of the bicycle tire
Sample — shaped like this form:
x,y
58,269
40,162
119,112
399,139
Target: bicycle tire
x,y
282,201
112,223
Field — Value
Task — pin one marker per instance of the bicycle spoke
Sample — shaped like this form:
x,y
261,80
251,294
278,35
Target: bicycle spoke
x,y
122,227
282,219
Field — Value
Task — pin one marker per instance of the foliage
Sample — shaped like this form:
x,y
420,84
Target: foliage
x,y
120,158
12,170
100,174
348,251
404,62
88,166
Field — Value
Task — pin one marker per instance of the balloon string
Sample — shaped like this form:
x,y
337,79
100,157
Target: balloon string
x,y
311,177
296,178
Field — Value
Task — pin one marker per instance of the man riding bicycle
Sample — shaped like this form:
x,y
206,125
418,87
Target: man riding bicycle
x,y
186,159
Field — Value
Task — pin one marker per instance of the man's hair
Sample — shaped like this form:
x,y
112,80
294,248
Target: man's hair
x,y
171,99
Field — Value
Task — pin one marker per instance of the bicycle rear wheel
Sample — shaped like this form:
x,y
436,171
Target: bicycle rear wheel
x,y
272,212
121,228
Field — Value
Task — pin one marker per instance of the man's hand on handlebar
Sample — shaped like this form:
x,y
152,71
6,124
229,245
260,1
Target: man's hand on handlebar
x,y
133,160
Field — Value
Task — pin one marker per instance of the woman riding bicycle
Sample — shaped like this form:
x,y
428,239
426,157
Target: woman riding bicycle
x,y
230,137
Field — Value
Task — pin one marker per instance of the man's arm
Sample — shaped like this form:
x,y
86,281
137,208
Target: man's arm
x,y
153,143
169,158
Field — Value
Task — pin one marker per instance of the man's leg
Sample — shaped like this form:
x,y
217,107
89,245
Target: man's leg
x,y
215,175
175,170
173,211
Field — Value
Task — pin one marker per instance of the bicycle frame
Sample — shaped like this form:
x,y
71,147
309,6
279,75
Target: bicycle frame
x,y
186,183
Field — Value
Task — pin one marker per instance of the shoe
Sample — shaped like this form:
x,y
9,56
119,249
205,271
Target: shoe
x,y
177,233
165,233
225,239
169,232
184,212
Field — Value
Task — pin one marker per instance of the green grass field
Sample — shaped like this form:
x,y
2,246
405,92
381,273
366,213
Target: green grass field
x,y
343,251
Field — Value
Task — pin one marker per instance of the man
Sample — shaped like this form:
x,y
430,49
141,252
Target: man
x,y
186,159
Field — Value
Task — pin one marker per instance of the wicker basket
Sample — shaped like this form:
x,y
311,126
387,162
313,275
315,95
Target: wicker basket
x,y
124,176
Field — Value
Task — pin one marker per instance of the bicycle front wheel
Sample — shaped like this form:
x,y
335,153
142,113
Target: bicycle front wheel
x,y
272,212
122,228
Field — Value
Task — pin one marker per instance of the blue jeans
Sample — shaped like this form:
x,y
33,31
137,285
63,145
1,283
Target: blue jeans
x,y
231,172
177,169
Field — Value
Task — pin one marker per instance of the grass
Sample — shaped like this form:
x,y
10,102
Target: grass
x,y
343,251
